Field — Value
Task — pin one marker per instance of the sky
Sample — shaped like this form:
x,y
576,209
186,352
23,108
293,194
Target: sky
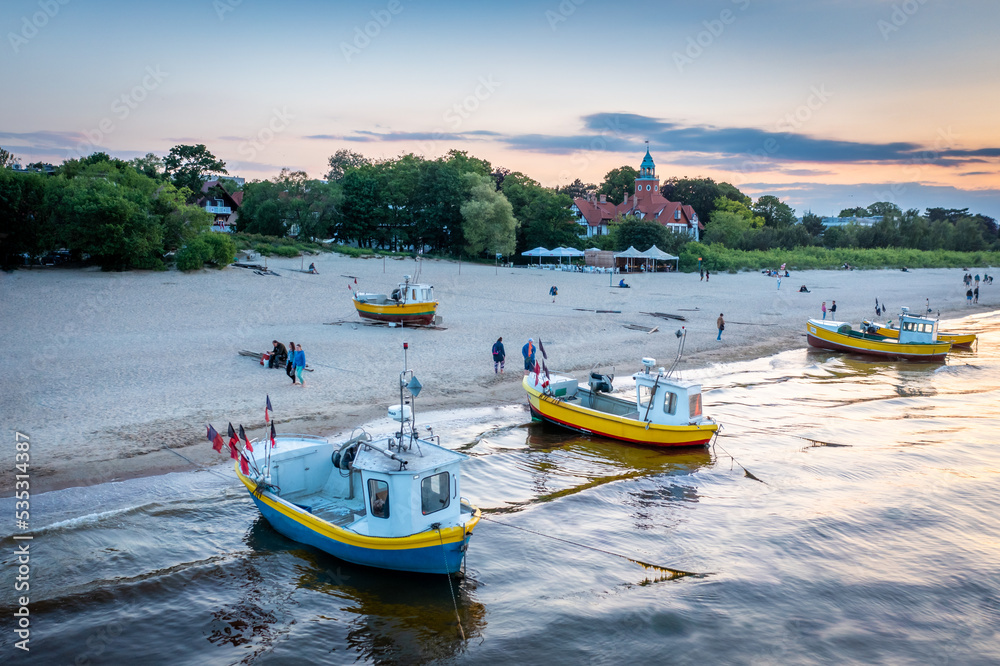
x,y
827,104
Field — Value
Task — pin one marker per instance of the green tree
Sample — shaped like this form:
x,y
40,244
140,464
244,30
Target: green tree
x,y
775,213
342,161
7,159
186,166
859,211
150,166
728,228
23,216
641,234
699,193
577,189
813,224
885,209
488,218
618,183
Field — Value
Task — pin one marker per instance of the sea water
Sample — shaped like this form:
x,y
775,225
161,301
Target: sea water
x,y
867,531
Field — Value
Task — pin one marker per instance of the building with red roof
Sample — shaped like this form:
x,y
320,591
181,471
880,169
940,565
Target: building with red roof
x,y
223,206
645,202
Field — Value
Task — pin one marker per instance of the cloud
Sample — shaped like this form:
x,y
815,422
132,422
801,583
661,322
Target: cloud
x,y
46,139
733,147
366,136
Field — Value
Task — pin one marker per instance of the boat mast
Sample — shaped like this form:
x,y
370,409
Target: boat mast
x,y
682,334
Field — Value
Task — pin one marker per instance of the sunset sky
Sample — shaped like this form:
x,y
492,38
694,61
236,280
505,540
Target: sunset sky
x,y
827,104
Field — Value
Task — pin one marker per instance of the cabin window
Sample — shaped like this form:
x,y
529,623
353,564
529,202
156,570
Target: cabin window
x,y
645,393
378,497
670,403
434,493
694,402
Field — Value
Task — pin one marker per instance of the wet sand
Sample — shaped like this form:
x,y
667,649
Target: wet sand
x,y
113,375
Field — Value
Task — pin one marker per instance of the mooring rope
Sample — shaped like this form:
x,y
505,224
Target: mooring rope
x,y
675,573
454,602
746,472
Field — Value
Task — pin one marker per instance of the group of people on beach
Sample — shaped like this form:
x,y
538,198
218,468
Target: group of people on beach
x,y
292,357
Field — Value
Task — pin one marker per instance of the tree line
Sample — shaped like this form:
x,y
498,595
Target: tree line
x,y
136,213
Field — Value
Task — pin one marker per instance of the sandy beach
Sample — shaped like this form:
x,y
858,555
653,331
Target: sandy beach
x,y
105,370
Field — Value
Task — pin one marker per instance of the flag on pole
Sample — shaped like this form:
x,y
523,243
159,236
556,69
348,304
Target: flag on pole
x,y
246,440
273,444
233,439
233,451
215,438
541,348
267,410
244,465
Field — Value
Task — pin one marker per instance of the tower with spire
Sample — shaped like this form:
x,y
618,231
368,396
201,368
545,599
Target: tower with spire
x,y
646,203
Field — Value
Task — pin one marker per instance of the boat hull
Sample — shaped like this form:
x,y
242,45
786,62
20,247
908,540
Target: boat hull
x,y
402,313
433,551
956,339
822,338
592,422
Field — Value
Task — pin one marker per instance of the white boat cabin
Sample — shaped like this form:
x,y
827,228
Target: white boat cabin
x,y
916,329
372,487
405,292
664,400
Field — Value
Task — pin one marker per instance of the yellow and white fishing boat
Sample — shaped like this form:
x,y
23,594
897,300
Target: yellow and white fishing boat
x,y
409,303
665,412
956,339
916,340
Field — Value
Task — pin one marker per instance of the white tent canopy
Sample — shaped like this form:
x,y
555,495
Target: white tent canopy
x,y
630,253
566,252
537,252
658,254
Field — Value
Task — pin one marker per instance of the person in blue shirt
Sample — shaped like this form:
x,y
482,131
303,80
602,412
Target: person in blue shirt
x,y
300,364
528,352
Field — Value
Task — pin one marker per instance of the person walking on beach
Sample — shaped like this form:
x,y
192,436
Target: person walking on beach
x,y
701,274
977,279
779,282
823,309
290,365
968,297
300,364
975,294
553,292
833,309
528,352
499,355
706,275
720,323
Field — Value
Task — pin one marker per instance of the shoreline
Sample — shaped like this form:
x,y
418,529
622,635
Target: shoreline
x,y
117,366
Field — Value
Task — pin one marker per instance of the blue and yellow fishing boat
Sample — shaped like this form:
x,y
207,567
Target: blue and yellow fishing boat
x,y
393,503
409,303
917,339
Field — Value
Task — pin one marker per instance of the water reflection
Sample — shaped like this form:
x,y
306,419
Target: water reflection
x,y
392,617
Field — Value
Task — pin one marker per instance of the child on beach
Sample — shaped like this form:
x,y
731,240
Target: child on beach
x,y
499,356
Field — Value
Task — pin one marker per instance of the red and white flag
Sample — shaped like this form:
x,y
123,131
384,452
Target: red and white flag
x,y
246,440
215,438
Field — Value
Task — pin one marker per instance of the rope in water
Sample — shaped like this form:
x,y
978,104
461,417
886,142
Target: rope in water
x,y
454,602
676,573
746,472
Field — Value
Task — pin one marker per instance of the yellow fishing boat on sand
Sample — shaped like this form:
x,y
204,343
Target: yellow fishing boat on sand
x,y
409,303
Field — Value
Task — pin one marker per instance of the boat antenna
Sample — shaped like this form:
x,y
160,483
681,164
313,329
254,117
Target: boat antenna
x,y
682,335
408,384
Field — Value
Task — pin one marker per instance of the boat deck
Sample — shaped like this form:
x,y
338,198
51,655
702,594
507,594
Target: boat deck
x,y
333,511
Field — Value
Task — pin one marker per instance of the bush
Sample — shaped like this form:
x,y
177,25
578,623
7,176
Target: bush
x,y
223,249
193,256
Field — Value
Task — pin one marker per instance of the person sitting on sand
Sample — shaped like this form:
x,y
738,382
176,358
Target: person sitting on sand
x,y
312,269
279,355
803,290
621,283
